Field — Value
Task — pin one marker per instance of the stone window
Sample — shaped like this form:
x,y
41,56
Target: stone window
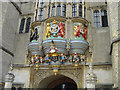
x,y
80,10
22,25
74,10
53,10
28,25
40,15
96,19
104,18
64,10
41,3
58,10
25,24
84,12
80,1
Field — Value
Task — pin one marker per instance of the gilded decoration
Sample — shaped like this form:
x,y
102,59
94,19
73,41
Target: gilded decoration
x,y
75,58
80,31
55,29
37,59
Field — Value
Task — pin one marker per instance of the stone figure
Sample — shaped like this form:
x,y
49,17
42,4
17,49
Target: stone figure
x,y
77,32
31,35
47,59
82,58
63,58
85,33
48,31
34,35
61,30
76,58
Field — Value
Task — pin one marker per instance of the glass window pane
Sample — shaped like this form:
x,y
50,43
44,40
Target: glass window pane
x,y
74,10
53,10
40,14
58,10
64,10
27,25
84,12
22,25
96,19
104,18
41,3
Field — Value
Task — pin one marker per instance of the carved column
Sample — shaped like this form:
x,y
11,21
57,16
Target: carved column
x,y
91,79
9,78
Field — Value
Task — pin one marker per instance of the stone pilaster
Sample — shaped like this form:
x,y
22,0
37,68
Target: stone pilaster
x,y
69,10
9,78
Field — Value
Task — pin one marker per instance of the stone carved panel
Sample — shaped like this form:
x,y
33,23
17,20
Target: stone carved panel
x,y
40,75
55,29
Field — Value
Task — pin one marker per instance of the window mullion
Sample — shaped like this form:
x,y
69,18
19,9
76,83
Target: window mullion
x,y
50,9
55,9
77,9
83,8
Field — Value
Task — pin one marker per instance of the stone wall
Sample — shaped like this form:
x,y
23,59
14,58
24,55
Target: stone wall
x,y
45,75
10,17
113,21
27,8
22,40
103,73
98,38
40,75
119,44
22,76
